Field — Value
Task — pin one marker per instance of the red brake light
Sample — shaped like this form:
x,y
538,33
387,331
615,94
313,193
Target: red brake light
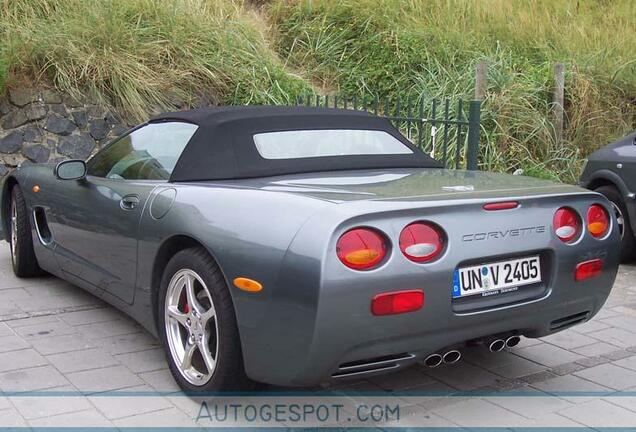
x,y
397,302
361,248
506,205
567,224
597,220
421,242
588,269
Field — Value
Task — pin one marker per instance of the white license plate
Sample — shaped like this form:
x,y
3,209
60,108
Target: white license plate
x,y
496,278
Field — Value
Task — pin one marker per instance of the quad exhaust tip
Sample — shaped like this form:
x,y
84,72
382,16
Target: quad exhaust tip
x,y
497,345
513,341
452,356
433,360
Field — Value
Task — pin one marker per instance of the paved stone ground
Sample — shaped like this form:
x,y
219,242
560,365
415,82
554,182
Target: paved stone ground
x,y
58,340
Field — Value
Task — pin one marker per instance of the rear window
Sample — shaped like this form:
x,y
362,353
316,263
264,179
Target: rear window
x,y
328,142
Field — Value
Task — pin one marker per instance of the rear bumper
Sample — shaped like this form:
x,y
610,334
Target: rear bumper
x,y
319,318
346,332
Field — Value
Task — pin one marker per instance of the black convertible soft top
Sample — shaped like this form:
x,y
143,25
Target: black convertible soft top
x,y
223,145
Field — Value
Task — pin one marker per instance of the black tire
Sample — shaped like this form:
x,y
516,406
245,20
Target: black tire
x,y
229,374
25,264
628,244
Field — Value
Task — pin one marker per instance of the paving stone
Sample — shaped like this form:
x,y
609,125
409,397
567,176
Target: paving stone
x,y
480,413
21,359
411,378
90,316
127,343
615,336
31,321
114,328
45,329
12,343
81,360
39,378
567,368
162,381
548,355
10,418
623,321
599,413
628,363
466,377
57,303
595,349
115,407
5,330
593,361
411,416
83,419
144,361
104,379
519,368
61,344
618,354
568,339
39,406
609,375
170,418
532,407
570,384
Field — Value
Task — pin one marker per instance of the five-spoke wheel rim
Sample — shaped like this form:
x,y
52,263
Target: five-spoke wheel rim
x,y
191,327
14,230
620,221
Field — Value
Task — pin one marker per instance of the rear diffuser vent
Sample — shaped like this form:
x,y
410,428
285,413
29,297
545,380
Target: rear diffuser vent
x,y
370,365
569,320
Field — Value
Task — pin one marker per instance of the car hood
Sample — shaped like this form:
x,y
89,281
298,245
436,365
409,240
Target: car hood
x,y
404,184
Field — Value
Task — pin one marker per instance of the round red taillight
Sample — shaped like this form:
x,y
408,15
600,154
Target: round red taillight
x,y
362,248
567,224
421,241
597,220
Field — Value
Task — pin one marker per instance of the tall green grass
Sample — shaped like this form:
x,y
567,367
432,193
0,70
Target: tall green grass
x,y
429,49
145,55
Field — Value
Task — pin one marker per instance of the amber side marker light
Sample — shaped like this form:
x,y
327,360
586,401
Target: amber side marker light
x,y
249,285
36,189
588,269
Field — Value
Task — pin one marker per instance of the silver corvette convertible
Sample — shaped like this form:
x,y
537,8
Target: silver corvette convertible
x,y
295,246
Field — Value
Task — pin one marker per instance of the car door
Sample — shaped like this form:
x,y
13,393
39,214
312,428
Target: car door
x,y
96,228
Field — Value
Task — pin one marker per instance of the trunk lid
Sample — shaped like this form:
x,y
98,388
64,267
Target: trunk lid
x,y
407,184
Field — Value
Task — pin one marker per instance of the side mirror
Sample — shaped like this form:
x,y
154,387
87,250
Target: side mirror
x,y
73,169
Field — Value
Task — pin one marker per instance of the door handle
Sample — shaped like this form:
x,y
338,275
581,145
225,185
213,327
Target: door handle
x,y
129,202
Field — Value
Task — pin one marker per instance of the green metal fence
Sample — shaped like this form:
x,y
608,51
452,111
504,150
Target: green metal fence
x,y
444,129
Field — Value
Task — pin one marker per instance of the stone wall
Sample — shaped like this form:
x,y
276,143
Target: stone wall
x,y
43,125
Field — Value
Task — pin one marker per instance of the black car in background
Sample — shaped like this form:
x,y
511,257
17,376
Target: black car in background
x,y
611,170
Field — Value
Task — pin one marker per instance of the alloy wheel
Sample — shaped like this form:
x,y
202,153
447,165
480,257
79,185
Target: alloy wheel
x,y
620,220
191,327
14,230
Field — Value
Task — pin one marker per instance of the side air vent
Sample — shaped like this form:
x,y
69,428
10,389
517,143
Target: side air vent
x,y
375,364
41,226
569,320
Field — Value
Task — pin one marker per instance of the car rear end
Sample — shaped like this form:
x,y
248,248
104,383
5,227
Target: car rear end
x,y
400,279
